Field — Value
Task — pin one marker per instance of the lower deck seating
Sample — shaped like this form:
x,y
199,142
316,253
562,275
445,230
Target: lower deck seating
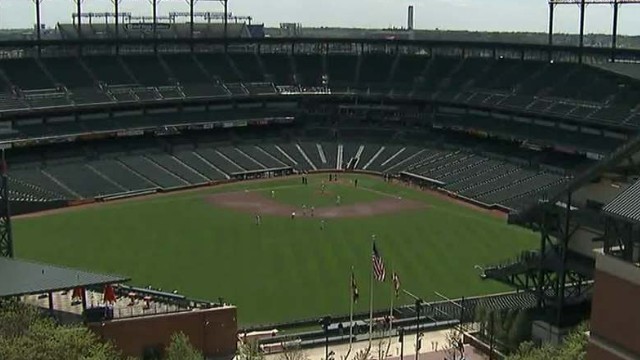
x,y
143,166
201,165
83,180
178,168
259,155
121,175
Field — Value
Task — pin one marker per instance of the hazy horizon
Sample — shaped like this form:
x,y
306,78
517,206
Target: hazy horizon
x,y
478,15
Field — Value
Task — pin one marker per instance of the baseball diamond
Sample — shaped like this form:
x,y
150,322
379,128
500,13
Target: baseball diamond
x,y
206,243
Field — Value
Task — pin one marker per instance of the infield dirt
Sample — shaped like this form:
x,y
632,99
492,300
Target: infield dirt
x,y
258,204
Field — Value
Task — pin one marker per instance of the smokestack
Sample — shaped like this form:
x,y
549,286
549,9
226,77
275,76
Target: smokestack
x,y
410,18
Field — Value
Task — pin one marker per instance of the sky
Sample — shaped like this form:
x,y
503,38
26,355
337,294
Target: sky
x,y
475,15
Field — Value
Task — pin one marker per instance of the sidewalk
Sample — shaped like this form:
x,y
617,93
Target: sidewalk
x,y
426,352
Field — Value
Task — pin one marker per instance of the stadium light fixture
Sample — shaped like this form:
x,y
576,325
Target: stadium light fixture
x,y
583,4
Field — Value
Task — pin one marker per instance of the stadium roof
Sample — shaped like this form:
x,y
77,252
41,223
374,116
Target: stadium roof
x,y
626,205
19,277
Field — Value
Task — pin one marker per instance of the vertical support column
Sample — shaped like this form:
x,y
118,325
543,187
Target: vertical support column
x,y
38,24
191,32
79,12
226,23
544,234
550,40
627,238
50,296
116,10
552,8
583,7
84,299
614,32
564,249
154,7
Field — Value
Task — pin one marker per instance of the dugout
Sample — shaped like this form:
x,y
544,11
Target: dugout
x,y
262,174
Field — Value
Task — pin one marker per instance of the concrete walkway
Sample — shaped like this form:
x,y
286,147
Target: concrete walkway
x,y
427,352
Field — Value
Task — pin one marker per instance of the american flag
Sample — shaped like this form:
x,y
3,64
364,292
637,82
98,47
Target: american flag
x,y
378,265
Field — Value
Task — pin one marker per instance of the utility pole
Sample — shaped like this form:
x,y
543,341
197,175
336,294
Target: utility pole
x,y
401,340
491,328
418,334
326,321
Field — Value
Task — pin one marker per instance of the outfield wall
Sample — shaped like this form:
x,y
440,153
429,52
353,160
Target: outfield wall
x,y
27,207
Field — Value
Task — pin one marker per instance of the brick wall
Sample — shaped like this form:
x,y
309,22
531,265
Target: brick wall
x,y
615,314
212,331
594,352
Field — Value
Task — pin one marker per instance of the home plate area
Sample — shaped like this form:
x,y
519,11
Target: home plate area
x,y
257,203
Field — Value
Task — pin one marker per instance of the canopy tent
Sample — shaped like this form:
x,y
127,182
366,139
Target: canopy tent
x,y
21,277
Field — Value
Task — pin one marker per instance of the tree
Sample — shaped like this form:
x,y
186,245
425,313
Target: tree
x,y
180,348
453,346
16,318
381,349
364,354
481,318
520,329
42,339
250,350
573,347
291,351
508,321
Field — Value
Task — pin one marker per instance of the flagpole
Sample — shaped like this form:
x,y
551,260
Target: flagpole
x,y
351,321
373,237
393,295
352,298
393,291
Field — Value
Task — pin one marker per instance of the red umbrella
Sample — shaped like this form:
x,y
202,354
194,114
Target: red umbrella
x,y
109,294
77,293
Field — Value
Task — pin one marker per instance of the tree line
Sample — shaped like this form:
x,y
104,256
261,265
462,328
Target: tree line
x,y
26,334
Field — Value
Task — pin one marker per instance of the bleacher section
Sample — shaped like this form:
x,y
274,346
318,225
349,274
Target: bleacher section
x,y
574,91
571,108
144,166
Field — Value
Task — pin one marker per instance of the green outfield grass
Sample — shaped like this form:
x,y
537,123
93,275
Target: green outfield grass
x,y
284,269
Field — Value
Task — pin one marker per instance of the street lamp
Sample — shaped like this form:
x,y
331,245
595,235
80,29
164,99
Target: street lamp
x,y
326,322
491,328
418,335
401,340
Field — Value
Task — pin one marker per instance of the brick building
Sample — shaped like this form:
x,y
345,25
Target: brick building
x,y
615,314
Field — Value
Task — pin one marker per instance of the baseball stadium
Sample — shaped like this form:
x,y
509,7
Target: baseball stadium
x,y
273,177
